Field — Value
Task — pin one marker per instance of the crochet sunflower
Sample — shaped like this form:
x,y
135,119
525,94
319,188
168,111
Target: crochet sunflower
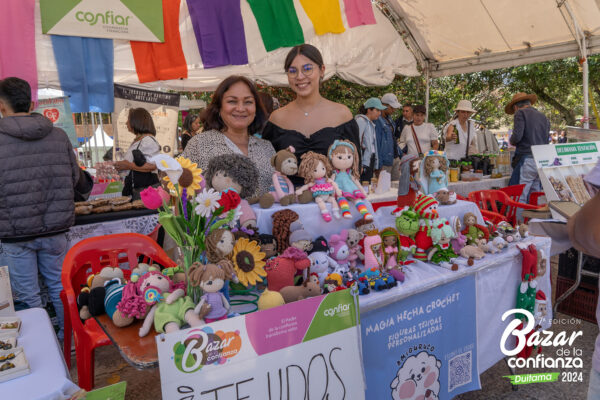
x,y
248,262
191,177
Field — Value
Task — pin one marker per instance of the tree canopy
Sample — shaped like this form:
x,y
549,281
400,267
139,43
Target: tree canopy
x,y
558,85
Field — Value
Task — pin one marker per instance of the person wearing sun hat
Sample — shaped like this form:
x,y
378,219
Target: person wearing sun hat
x,y
531,128
366,117
461,135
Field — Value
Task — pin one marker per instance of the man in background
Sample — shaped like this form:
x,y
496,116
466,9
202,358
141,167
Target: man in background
x,y
385,127
531,128
38,173
405,119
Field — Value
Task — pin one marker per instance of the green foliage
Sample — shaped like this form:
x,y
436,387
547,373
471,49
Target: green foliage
x,y
558,85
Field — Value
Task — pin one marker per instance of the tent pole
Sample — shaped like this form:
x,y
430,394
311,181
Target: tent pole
x,y
103,141
427,92
94,136
586,99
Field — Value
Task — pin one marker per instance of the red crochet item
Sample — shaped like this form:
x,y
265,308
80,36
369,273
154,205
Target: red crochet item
x,y
281,270
529,262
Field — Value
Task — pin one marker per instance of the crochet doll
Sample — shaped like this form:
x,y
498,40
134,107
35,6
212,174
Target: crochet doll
x,y
391,250
426,208
237,173
282,220
374,252
170,308
211,278
282,189
433,171
316,169
442,253
321,263
219,245
474,231
344,159
339,251
407,225
354,248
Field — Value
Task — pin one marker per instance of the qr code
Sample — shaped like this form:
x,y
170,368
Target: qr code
x,y
459,370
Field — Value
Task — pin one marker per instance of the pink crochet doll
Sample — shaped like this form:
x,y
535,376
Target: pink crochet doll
x,y
315,168
354,248
339,251
170,308
374,252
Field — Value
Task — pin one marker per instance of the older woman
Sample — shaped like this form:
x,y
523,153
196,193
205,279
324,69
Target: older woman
x,y
141,173
310,122
461,135
233,116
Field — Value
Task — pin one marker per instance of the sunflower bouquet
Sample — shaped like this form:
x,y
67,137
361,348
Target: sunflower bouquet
x,y
195,212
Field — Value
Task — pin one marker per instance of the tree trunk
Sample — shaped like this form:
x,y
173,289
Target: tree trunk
x,y
566,113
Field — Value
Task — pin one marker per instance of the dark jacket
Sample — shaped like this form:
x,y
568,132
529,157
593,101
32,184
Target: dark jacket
x,y
531,128
38,171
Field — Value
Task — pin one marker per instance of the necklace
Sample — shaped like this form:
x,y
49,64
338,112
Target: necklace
x,y
311,110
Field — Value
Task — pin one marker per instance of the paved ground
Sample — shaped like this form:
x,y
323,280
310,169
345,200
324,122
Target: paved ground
x,y
141,385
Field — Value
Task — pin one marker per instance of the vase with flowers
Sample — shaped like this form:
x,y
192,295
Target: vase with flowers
x,y
189,212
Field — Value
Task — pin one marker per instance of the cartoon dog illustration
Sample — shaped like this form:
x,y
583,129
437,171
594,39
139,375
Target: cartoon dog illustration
x,y
417,378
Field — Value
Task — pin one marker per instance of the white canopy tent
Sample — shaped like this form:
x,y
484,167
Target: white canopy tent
x,y
370,55
461,36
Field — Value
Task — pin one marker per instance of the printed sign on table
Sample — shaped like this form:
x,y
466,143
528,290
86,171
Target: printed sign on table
x,y
114,19
58,110
306,349
424,346
550,155
164,108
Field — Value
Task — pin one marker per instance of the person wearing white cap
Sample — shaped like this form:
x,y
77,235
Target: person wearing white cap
x,y
366,117
385,126
461,135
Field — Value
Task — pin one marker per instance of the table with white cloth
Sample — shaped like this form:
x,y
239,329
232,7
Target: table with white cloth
x,y
497,276
49,377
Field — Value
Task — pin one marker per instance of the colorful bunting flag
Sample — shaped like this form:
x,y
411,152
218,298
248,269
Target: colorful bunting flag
x,y
219,30
85,69
359,12
278,23
17,42
162,61
325,15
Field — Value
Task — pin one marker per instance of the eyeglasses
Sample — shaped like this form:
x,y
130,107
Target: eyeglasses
x,y
307,70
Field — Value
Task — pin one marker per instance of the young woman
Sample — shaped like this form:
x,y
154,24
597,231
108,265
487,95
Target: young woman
x,y
420,136
141,172
369,113
309,122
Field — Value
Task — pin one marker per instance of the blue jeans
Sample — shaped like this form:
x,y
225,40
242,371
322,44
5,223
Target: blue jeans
x,y
594,386
530,177
25,259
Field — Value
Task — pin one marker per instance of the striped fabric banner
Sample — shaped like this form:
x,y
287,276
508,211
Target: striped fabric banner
x,y
17,42
85,69
162,61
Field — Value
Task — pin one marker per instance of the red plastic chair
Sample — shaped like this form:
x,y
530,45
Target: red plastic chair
x,y
514,191
534,198
498,202
90,256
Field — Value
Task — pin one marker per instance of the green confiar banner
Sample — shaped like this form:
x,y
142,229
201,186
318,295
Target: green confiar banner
x,y
140,20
